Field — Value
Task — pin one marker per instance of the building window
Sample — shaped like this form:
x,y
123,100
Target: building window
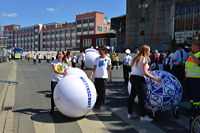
x,y
78,37
73,30
79,21
79,29
91,28
85,21
68,30
99,28
91,20
53,33
104,29
85,28
58,32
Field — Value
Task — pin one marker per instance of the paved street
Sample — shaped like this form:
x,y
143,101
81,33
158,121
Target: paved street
x,y
25,106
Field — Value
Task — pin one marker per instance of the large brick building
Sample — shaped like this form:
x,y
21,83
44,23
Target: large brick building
x,y
158,22
55,36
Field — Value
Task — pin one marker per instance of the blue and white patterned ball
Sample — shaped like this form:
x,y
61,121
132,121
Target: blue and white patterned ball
x,y
165,95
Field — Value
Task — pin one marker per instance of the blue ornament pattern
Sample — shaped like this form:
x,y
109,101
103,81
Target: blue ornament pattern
x,y
165,95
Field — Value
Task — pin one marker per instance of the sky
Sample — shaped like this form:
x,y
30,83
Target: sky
x,y
29,12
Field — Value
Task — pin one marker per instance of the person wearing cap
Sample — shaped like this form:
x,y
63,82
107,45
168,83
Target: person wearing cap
x,y
192,73
103,74
127,66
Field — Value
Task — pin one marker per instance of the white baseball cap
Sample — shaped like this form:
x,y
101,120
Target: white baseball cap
x,y
128,51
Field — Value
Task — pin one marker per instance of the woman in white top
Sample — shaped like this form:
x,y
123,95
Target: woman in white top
x,y
59,71
69,58
139,70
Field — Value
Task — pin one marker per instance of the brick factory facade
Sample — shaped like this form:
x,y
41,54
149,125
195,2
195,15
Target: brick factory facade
x,y
55,36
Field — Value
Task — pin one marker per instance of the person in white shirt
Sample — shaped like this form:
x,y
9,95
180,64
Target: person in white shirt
x,y
138,85
59,68
34,58
167,62
178,59
102,71
127,66
82,58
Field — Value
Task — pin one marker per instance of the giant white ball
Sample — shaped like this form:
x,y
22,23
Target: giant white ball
x,y
76,71
75,95
90,56
162,96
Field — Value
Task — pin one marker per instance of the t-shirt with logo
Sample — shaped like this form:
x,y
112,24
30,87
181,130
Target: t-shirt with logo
x,y
102,67
60,67
127,60
69,61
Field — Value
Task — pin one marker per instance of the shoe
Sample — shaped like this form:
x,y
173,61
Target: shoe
x,y
131,116
146,118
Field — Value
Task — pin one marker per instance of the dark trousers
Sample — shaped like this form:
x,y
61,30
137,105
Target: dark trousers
x,y
179,72
100,85
53,85
39,60
193,89
73,64
34,61
126,71
82,64
138,89
167,68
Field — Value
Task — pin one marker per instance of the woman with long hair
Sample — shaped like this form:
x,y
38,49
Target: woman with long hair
x,y
139,70
59,68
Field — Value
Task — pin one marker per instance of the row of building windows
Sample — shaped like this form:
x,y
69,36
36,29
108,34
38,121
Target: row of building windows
x,y
189,7
59,32
59,39
80,29
187,24
24,30
86,20
104,29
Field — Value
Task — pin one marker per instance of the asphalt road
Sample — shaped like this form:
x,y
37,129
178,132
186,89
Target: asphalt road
x,y
32,106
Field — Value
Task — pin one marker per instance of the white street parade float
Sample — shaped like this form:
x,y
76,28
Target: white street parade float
x,y
75,95
162,96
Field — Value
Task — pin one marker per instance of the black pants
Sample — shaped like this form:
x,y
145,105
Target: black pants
x,y
73,64
53,85
34,61
138,89
126,71
179,72
100,85
39,60
82,64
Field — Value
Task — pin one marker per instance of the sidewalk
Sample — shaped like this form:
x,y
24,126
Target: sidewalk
x,y
4,73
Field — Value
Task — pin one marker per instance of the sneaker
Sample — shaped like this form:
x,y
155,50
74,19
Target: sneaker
x,y
146,118
131,116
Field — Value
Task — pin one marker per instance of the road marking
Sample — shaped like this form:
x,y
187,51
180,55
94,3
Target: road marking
x,y
141,127
91,124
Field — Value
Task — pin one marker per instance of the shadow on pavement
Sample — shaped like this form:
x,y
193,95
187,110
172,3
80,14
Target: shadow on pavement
x,y
46,93
43,115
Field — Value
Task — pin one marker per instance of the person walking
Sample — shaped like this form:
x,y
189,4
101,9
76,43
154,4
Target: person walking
x,y
74,61
34,58
139,70
127,66
167,62
82,58
39,58
102,71
192,73
59,68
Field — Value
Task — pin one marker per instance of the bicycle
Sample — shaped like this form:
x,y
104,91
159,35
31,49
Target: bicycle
x,y
195,120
